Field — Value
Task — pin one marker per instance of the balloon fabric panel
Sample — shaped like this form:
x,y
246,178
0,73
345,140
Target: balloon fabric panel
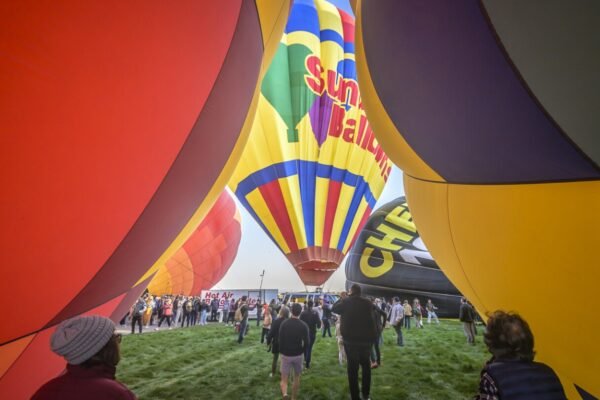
x,y
83,230
206,255
521,144
312,169
83,194
471,93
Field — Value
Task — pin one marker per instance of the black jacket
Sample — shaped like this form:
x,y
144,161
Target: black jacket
x,y
273,336
380,319
358,322
293,337
311,318
466,313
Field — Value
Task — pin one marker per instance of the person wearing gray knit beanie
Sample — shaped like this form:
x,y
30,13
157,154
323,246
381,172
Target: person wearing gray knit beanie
x,y
79,339
91,348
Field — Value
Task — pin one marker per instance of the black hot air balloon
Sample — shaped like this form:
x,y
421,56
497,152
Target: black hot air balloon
x,y
390,259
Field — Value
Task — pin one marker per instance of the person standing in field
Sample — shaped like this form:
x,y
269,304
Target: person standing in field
x,y
243,312
177,308
326,318
293,342
359,332
380,318
137,312
312,320
396,320
267,322
214,309
148,313
167,312
407,314
232,308
273,337
225,311
466,315
430,307
418,313
259,311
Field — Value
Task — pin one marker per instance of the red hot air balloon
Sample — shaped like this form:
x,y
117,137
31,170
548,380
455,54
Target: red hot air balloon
x,y
121,124
206,256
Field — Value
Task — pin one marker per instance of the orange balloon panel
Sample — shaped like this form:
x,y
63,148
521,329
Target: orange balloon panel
x,y
120,124
206,256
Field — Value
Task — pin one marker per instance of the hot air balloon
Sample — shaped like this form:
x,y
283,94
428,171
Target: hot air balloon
x,y
312,170
206,256
491,109
390,259
121,124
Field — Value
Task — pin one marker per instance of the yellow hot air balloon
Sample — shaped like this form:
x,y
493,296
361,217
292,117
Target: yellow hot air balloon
x,y
312,170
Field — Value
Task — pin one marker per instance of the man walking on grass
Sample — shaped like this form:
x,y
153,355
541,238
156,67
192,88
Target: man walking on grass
x,y
359,333
293,342
312,320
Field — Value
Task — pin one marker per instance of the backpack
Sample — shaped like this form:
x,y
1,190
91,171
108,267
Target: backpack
x,y
138,309
238,314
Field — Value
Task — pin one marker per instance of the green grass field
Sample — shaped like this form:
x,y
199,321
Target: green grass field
x,y
207,363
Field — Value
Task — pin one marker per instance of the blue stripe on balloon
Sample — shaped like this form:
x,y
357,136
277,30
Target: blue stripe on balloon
x,y
308,172
289,168
349,47
308,179
333,36
352,210
303,17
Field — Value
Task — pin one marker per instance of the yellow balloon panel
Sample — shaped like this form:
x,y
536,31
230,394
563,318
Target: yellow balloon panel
x,y
525,248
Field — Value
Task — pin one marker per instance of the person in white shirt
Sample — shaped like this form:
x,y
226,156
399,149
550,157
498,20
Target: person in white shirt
x,y
396,317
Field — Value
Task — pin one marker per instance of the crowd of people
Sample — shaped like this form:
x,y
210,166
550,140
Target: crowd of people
x,y
177,311
90,344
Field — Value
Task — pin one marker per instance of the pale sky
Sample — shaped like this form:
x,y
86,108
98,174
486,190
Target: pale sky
x,y
258,252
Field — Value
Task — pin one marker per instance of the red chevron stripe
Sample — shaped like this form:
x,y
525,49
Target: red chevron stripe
x,y
273,196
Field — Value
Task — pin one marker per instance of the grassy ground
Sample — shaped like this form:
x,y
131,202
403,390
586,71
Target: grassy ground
x,y
207,363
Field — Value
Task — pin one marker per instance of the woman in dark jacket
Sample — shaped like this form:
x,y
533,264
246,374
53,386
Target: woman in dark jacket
x,y
273,337
511,373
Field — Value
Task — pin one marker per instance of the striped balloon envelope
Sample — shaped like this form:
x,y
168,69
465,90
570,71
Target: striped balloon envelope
x,y
206,256
312,169
490,107
121,124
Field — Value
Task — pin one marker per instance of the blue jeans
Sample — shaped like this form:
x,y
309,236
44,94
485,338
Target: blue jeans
x,y
203,317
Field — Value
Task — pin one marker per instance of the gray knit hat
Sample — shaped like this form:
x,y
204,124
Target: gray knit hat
x,y
79,339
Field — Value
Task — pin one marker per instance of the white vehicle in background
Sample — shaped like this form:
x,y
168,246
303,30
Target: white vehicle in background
x,y
253,295
304,297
